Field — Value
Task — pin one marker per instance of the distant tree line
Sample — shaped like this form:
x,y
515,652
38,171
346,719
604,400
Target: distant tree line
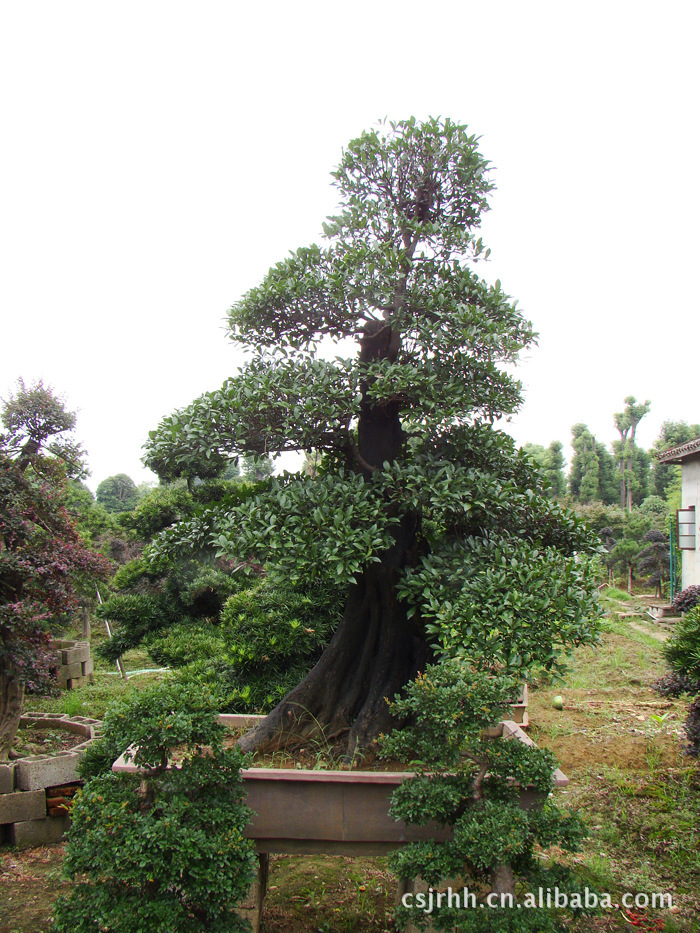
x,y
623,491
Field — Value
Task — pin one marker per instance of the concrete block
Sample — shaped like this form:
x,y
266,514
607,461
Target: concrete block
x,y
67,671
39,832
17,807
87,667
40,771
78,728
7,778
81,652
75,682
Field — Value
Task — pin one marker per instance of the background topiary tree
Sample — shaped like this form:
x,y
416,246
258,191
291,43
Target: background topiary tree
x,y
44,564
117,493
416,491
165,849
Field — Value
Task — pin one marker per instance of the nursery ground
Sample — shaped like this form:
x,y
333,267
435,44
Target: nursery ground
x,y
620,744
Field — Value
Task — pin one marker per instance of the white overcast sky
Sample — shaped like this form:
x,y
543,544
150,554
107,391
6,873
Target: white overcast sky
x,y
157,157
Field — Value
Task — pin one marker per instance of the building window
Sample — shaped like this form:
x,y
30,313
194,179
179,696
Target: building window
x,y
686,529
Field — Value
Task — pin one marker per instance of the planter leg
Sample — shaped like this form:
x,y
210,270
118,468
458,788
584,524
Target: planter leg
x,y
252,907
413,887
263,875
405,887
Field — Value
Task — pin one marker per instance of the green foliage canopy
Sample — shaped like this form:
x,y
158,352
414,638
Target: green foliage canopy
x,y
117,493
396,273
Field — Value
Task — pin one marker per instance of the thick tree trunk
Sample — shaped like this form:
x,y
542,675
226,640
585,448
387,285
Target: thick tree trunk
x,y
623,486
503,881
376,650
374,653
11,699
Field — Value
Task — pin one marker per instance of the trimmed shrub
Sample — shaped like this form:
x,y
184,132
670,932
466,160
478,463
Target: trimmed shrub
x,y
269,637
164,849
136,615
470,782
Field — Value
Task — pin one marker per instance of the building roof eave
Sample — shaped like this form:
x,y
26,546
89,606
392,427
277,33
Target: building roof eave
x,y
679,453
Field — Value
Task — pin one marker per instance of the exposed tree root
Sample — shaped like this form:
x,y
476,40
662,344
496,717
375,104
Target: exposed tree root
x,y
374,653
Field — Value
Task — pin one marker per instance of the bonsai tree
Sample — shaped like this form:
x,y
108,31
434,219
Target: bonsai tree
x,y
43,561
469,779
653,559
163,849
441,532
117,493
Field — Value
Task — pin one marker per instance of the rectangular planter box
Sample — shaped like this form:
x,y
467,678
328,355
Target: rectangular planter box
x,y
333,812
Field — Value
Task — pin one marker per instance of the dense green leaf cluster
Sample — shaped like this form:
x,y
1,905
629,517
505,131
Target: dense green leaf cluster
x,y
267,638
495,546
682,650
165,849
218,623
505,602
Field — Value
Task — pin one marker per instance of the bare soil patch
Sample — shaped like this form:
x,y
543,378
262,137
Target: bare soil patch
x,y
41,738
29,883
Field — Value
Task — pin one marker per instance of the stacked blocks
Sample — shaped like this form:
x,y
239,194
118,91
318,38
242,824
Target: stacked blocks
x,y
36,792
73,663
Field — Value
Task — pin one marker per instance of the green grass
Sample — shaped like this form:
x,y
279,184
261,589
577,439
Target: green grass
x,y
613,593
647,826
108,686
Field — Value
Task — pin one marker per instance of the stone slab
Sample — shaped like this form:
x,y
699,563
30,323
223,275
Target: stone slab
x,y
18,807
42,771
39,832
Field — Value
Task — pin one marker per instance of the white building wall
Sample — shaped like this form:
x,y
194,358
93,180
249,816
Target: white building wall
x,y
690,495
